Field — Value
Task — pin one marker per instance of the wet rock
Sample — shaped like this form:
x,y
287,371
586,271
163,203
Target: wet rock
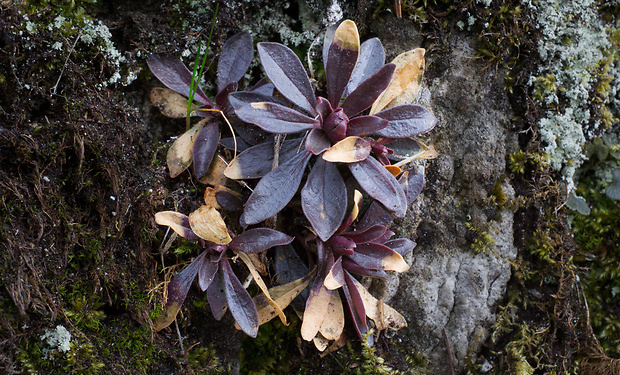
x,y
449,285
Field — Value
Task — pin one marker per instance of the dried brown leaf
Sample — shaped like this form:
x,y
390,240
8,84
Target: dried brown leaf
x,y
333,325
215,174
170,103
405,82
383,315
208,224
314,315
179,156
261,284
283,295
349,150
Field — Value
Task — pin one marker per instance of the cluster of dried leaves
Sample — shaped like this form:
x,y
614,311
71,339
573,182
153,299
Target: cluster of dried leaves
x,y
339,145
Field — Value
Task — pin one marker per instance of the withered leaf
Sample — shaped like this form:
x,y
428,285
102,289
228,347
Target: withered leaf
x,y
333,325
349,150
208,224
179,156
170,103
405,81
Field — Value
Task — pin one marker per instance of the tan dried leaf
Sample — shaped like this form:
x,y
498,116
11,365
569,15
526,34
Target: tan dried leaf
x,y
261,284
283,295
314,315
333,325
347,36
342,340
349,150
357,201
170,103
172,219
395,262
167,317
394,170
179,156
320,342
383,315
208,224
215,174
405,81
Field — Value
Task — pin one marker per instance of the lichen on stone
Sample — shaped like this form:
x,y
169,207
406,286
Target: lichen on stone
x,y
573,43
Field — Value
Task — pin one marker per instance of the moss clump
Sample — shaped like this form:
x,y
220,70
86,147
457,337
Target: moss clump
x,y
599,249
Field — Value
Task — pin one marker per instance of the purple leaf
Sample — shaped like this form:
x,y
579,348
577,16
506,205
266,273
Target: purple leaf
x,y
403,148
257,240
229,201
174,75
324,198
221,99
355,268
276,118
287,74
216,296
180,284
368,91
386,236
379,183
369,235
206,274
406,120
323,108
355,304
235,59
341,60
341,245
327,43
229,143
335,125
251,134
317,141
204,148
239,301
371,255
401,245
370,60
241,98
288,265
275,190
415,183
335,277
257,161
377,214
263,86
363,125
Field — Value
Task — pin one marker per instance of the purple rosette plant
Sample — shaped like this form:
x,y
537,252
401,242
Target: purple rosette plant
x,y
199,144
336,132
212,268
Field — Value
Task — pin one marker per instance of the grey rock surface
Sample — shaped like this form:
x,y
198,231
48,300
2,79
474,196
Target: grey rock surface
x,y
449,285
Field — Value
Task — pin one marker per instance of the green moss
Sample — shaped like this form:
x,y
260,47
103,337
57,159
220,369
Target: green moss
x,y
521,162
272,350
85,312
482,240
599,250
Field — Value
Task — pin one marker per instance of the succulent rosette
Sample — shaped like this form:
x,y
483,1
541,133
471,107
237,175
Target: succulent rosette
x,y
199,144
336,132
369,252
212,268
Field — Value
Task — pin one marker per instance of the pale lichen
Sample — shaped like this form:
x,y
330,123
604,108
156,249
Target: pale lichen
x,y
573,43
